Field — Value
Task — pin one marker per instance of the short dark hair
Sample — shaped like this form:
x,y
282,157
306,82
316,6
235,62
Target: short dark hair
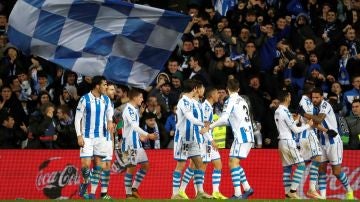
x,y
233,85
124,88
318,90
209,91
308,88
355,101
283,94
134,92
189,85
96,80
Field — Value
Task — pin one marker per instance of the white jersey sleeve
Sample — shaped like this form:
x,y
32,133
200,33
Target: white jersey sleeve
x,y
80,111
285,123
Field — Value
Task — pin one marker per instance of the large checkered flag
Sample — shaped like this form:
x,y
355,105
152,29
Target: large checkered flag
x,y
127,43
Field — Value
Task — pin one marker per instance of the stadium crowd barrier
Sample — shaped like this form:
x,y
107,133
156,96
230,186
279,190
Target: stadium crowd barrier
x,y
43,174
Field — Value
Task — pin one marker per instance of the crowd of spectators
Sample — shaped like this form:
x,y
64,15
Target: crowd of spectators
x,y
268,45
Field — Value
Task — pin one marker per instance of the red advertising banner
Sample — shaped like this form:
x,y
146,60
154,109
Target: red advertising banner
x,y
55,174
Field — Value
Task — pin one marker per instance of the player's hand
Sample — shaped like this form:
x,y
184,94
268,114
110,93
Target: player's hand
x,y
81,141
204,130
310,122
214,145
143,138
152,136
296,117
206,123
110,127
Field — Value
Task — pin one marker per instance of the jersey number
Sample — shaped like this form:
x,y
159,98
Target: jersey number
x,y
247,118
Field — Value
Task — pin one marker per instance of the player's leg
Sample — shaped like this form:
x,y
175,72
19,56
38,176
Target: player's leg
x,y
105,174
240,151
322,179
180,155
86,153
316,152
290,155
335,157
188,174
180,165
104,179
216,177
95,176
85,171
130,170
199,178
142,159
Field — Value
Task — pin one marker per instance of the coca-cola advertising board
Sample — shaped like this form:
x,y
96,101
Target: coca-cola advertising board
x,y
55,174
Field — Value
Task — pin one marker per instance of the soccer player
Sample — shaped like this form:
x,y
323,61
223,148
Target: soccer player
x,y
105,174
236,113
93,120
133,153
310,148
331,144
210,148
187,142
290,155
198,114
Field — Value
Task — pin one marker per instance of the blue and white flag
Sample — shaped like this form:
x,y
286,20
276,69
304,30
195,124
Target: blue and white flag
x,y
127,43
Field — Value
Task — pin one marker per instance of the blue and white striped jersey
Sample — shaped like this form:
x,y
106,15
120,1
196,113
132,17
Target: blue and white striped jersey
x,y
286,125
236,113
308,107
92,115
131,129
329,122
186,120
208,116
198,114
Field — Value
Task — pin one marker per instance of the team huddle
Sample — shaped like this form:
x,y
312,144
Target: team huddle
x,y
319,142
318,139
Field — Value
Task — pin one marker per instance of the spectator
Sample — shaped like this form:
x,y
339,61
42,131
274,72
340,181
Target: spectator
x,y
121,95
67,99
151,126
10,137
65,128
170,127
354,93
198,72
166,100
71,84
43,129
338,99
11,64
173,68
353,121
176,86
85,86
10,104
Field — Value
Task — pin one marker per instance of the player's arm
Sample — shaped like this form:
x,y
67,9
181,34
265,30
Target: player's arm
x,y
80,109
316,118
187,110
133,123
109,116
223,120
292,124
